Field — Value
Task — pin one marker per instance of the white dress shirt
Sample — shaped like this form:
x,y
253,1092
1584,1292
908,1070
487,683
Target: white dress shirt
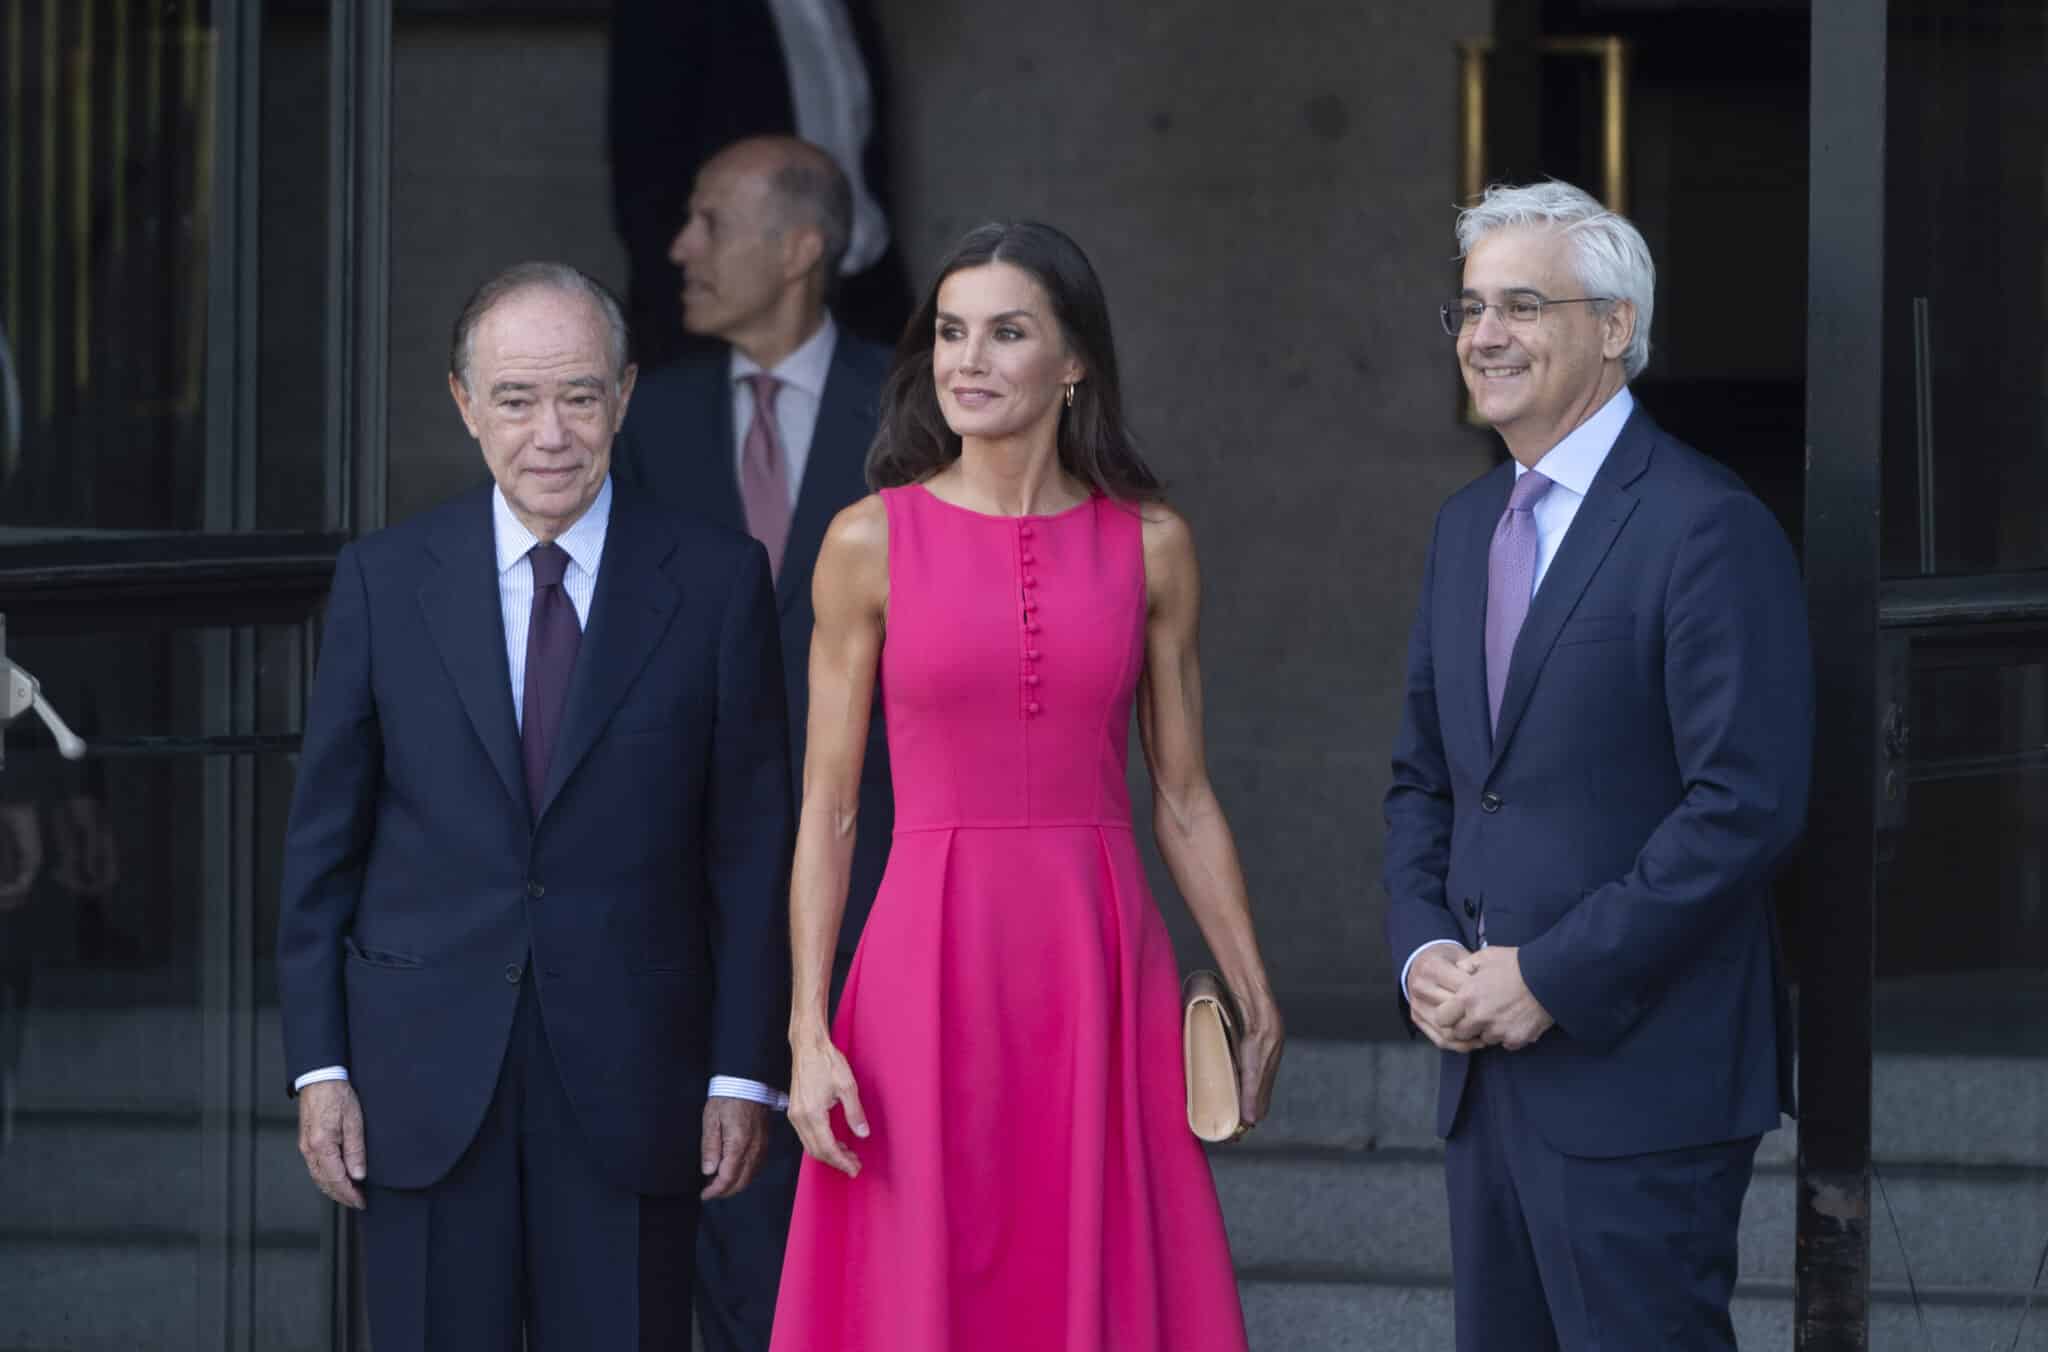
x,y
583,542
803,374
835,108
1570,466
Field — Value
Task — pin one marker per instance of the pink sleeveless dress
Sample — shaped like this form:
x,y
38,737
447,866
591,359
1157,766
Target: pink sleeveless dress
x,y
1013,1014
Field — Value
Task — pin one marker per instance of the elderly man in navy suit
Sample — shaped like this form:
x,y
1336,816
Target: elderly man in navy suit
x,y
533,957
768,433
1604,754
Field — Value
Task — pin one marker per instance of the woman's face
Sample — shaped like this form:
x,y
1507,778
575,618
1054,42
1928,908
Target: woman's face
x,y
999,360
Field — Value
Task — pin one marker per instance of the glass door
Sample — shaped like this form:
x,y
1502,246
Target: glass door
x,y
1925,919
191,403
151,1194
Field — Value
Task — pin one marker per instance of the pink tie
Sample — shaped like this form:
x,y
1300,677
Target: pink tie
x,y
1510,580
764,472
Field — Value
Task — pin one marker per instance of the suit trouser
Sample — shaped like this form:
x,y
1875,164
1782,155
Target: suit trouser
x,y
741,1239
525,1238
1552,1251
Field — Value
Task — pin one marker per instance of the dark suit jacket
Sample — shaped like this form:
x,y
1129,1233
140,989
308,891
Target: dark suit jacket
x,y
648,897
677,446
1649,772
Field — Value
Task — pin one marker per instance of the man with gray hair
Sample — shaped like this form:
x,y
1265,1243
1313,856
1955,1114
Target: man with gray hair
x,y
1604,753
768,432
532,946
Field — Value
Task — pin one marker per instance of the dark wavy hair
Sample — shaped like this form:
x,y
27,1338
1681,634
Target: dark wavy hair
x,y
913,442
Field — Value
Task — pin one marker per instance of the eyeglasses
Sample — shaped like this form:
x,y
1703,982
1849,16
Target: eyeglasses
x,y
1522,312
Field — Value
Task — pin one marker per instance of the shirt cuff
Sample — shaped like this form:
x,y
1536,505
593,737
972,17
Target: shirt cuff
x,y
753,1091
316,1076
1433,943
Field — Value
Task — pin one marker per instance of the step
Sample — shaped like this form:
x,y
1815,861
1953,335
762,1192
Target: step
x,y
1925,1109
1383,1216
106,1173
152,1058
1312,1316
107,1296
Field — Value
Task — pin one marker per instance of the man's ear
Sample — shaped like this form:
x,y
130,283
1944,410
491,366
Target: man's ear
x,y
1618,327
626,379
802,249
462,404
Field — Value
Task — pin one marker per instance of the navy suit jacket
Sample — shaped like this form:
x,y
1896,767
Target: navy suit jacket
x,y
646,902
1623,824
677,446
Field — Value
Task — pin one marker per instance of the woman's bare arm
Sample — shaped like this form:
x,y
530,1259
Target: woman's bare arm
x,y
850,591
1194,838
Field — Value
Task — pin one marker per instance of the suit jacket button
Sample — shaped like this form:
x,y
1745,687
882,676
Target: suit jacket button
x,y
1471,907
1489,801
513,971
535,890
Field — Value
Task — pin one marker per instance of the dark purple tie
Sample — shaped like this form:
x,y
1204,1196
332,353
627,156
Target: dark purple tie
x,y
1510,582
552,637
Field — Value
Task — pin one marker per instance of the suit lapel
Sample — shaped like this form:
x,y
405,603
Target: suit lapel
x,y
466,620
834,474
1600,517
629,614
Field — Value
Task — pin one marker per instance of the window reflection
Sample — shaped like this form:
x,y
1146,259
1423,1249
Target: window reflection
x,y
1966,242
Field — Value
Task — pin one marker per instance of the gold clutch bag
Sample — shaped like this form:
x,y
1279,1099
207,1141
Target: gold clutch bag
x,y
1209,1031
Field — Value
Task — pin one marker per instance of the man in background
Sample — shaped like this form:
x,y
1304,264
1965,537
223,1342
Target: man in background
x,y
691,76
768,431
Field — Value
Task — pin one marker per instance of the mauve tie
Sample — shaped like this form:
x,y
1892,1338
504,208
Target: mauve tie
x,y
1510,581
764,472
552,637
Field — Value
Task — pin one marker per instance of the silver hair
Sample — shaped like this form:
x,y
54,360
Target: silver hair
x,y
542,276
1608,252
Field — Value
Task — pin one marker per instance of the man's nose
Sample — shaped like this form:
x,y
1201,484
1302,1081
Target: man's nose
x,y
1491,331
551,432
680,248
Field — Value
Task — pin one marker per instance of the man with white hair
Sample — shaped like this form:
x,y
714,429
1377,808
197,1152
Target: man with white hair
x,y
1604,752
531,945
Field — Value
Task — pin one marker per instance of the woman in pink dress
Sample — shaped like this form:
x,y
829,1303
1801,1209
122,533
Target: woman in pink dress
x,y
999,1150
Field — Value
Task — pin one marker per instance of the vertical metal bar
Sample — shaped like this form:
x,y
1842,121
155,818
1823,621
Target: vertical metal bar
x,y
46,233
118,152
1923,427
198,95
1844,403
1471,122
232,268
10,168
1614,123
358,263
82,160
338,445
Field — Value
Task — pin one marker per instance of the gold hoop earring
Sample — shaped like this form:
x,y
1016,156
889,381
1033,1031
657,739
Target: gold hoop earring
x,y
1070,395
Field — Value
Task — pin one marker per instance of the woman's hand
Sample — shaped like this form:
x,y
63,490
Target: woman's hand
x,y
820,1080
1258,1058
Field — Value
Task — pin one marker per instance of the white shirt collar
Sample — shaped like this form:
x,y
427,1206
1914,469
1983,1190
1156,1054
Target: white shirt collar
x,y
583,541
1573,462
806,368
